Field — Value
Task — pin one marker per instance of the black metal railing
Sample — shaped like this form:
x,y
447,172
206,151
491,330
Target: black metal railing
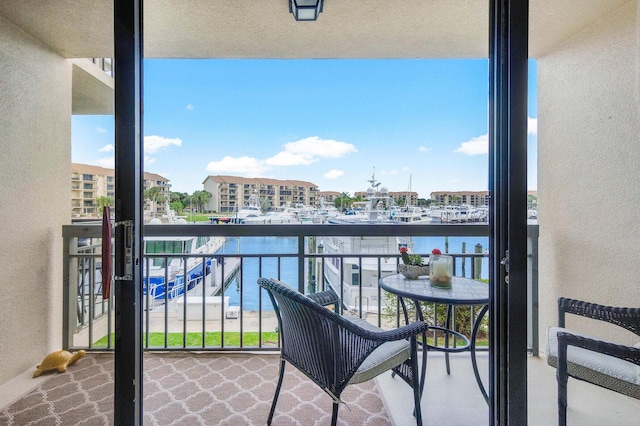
x,y
196,313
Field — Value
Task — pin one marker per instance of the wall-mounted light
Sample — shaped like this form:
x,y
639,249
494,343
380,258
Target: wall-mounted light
x,y
305,10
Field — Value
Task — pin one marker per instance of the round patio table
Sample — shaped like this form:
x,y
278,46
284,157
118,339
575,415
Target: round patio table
x,y
463,291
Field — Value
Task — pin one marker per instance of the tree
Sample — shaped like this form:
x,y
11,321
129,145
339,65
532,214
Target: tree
x,y
103,201
176,206
342,201
155,195
200,198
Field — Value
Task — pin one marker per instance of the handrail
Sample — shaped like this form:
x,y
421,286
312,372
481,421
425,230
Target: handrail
x,y
305,256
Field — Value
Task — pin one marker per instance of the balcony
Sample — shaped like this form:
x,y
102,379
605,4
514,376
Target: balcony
x,y
580,106
253,331
247,323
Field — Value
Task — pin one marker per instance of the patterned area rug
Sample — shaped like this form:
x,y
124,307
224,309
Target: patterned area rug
x,y
194,389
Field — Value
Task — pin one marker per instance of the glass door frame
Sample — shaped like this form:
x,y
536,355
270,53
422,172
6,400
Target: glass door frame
x,y
508,52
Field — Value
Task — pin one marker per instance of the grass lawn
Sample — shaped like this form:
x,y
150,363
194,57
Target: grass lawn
x,y
212,339
231,339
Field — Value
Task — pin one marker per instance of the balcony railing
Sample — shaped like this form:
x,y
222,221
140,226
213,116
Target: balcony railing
x,y
224,308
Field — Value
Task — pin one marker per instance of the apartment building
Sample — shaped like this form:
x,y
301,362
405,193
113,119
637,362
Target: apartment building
x,y
328,196
230,193
471,198
88,183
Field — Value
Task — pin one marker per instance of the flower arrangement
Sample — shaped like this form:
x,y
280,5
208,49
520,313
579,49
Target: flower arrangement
x,y
410,259
412,266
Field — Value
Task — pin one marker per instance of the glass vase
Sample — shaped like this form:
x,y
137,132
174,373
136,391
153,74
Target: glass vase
x,y
441,268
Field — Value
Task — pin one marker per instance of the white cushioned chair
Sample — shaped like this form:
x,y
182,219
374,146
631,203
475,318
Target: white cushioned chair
x,y
602,363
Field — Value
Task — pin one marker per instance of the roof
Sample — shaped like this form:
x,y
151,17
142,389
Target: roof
x,y
257,181
89,169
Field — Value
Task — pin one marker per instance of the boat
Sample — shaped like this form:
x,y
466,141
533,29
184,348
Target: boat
x,y
411,215
168,258
359,283
273,217
250,210
375,210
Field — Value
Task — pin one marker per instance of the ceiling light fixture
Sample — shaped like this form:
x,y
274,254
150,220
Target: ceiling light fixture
x,y
305,10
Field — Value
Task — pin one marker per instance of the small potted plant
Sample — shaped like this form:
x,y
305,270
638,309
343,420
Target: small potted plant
x,y
412,266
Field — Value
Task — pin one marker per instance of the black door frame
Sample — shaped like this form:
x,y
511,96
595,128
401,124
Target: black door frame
x,y
508,84
129,187
508,47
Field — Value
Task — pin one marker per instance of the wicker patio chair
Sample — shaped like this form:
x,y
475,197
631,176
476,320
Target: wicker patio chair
x,y
606,364
335,351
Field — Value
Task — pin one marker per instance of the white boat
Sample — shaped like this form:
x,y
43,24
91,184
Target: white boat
x,y
411,215
373,211
164,275
359,284
250,210
274,217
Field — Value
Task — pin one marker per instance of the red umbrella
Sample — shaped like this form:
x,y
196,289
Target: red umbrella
x,y
106,252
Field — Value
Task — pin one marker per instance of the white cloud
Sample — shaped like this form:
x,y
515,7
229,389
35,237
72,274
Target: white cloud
x,y
189,107
149,160
455,180
106,162
299,153
101,130
424,149
406,169
247,166
334,174
287,158
107,148
156,143
532,126
309,150
320,147
480,144
476,146
389,172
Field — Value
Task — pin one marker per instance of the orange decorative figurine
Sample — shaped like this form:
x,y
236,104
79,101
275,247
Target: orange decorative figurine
x,y
58,360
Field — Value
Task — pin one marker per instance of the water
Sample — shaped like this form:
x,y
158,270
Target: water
x,y
289,267
251,271
424,246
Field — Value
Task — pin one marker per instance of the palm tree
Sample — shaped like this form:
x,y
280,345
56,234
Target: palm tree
x,y
342,201
155,195
201,198
103,201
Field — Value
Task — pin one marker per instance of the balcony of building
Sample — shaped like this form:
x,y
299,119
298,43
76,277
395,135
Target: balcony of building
x,y
587,56
247,327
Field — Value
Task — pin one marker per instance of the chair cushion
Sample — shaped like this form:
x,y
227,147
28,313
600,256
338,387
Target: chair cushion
x,y
383,358
603,370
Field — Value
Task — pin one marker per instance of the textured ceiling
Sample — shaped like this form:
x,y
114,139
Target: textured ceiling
x,y
265,29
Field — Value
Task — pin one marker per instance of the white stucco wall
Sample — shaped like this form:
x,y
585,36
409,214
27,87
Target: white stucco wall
x,y
35,120
589,170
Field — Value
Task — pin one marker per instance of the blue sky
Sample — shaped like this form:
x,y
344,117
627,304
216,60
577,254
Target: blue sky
x,y
419,123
